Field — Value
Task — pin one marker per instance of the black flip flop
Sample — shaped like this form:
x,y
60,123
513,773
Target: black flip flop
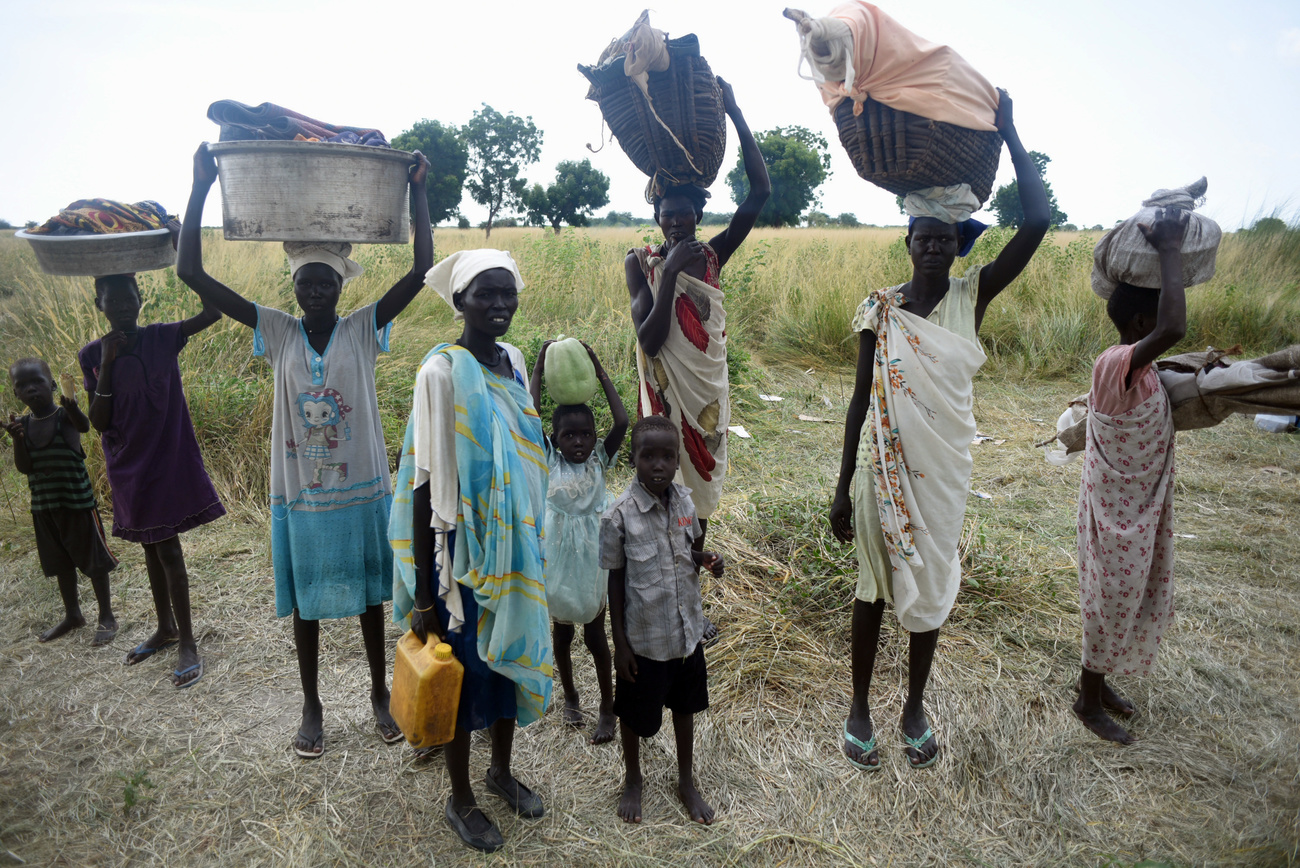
x,y
144,652
523,802
488,842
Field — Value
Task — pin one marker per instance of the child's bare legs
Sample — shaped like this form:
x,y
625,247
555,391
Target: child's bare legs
x,y
1095,696
629,806
107,624
561,642
72,617
684,732
311,731
920,659
170,584
372,634
866,640
593,635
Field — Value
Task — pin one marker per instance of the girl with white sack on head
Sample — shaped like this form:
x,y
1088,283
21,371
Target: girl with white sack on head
x,y
330,486
906,463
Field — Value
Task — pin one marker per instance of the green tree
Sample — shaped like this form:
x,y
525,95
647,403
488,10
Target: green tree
x,y
848,219
817,219
1265,225
499,147
798,161
1006,201
5,224
448,159
578,190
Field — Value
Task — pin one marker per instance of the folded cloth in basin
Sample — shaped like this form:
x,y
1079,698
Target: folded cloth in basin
x,y
240,123
104,216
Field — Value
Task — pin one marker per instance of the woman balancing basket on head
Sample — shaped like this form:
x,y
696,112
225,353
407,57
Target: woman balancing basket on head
x,y
666,108
906,462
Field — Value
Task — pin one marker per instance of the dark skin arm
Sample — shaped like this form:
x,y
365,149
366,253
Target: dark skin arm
x,y
712,561
423,623
405,290
842,506
22,459
101,403
1166,236
75,416
614,439
189,256
999,273
624,661
535,382
728,241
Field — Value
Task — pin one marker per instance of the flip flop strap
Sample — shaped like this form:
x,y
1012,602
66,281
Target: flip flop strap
x,y
865,746
917,743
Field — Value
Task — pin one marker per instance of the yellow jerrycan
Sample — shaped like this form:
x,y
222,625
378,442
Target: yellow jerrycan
x,y
426,690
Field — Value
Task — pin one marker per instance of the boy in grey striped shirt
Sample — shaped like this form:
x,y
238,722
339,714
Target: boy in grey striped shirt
x,y
647,543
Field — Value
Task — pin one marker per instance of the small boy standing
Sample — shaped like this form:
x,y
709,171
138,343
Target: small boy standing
x,y
69,534
646,543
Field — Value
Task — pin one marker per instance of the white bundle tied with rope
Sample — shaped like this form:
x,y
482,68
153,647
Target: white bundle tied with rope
x,y
1123,254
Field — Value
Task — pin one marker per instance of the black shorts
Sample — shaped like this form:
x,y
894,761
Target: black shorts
x,y
681,686
70,539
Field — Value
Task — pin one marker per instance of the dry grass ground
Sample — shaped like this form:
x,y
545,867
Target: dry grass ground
x,y
109,765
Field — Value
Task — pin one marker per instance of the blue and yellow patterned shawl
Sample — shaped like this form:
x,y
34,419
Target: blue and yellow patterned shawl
x,y
498,554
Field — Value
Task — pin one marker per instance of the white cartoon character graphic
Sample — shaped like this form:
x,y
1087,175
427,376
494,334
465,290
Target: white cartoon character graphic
x,y
322,413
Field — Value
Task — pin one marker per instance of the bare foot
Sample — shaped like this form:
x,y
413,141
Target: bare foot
x,y
710,636
573,713
309,743
1101,725
1110,700
104,632
605,728
389,731
64,627
629,807
860,727
700,810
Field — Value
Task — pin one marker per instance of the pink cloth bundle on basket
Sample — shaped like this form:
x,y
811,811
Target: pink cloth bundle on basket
x,y
858,51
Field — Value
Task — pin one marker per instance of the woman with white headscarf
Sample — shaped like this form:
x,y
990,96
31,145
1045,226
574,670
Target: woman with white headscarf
x,y
467,530
330,487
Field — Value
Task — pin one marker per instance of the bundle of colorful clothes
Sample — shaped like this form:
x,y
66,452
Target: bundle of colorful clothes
x,y
104,216
268,121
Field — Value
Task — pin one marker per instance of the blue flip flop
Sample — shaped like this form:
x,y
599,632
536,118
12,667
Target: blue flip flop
x,y
865,746
916,744
181,673
143,652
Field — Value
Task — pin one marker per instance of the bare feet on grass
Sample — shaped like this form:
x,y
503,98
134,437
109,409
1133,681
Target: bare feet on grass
x,y
309,743
105,632
1101,724
605,725
63,628
389,731
700,810
629,806
573,712
1112,701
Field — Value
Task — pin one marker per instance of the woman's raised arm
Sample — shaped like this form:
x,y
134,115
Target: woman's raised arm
x,y
189,256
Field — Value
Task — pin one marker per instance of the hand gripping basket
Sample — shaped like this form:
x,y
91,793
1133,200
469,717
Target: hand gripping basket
x,y
903,152
688,101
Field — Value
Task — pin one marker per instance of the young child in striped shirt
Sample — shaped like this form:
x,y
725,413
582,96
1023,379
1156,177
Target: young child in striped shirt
x,y
69,534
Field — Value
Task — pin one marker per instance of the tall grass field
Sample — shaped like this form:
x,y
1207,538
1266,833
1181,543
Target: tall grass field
x,y
103,764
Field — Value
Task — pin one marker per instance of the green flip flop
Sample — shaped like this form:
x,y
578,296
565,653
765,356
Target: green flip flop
x,y
865,746
916,744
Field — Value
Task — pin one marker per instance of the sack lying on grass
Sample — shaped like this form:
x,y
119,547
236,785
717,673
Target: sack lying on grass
x,y
663,104
858,51
1124,256
1204,389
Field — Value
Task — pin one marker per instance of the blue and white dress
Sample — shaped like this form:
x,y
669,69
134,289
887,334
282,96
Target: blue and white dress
x,y
330,487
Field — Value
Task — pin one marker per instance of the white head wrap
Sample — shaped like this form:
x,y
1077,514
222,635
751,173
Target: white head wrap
x,y
457,271
952,204
332,253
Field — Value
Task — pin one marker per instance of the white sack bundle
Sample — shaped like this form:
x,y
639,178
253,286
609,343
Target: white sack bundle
x,y
1124,256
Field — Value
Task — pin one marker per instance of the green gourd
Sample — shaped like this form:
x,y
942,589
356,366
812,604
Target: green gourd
x,y
569,374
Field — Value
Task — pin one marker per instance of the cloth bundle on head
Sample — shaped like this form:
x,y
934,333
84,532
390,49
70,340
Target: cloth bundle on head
x,y
858,51
457,271
952,204
332,253
104,216
1124,256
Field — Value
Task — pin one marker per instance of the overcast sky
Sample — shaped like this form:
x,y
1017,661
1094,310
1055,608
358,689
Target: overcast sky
x,y
110,99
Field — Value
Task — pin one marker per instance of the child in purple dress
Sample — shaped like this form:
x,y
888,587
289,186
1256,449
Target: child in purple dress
x,y
160,487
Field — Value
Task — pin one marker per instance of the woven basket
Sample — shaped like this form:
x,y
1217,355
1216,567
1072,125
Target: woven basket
x,y
686,97
903,152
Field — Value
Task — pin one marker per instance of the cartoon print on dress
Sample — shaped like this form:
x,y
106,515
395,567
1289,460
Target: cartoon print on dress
x,y
322,413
